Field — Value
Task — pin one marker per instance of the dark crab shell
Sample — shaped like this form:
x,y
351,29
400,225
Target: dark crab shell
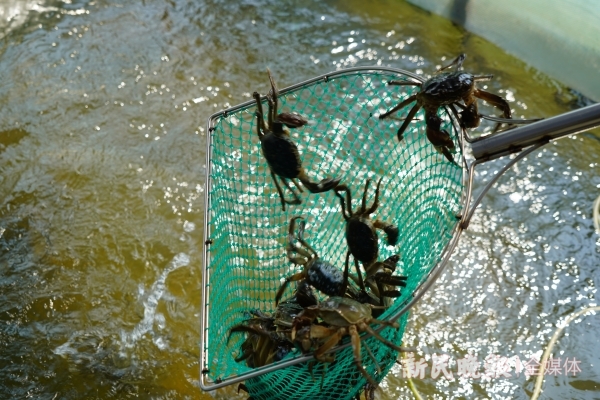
x,y
446,88
362,239
282,155
325,277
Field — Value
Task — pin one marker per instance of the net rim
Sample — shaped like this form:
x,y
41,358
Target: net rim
x,y
208,385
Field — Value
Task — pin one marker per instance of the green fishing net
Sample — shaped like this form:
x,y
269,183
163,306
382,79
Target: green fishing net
x,y
421,193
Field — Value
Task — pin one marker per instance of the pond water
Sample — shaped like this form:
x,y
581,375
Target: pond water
x,y
102,112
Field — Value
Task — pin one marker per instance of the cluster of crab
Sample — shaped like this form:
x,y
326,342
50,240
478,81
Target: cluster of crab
x,y
352,302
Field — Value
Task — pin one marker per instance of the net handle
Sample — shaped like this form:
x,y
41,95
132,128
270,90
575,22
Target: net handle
x,y
515,140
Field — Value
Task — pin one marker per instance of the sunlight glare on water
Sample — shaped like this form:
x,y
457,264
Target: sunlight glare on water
x,y
103,108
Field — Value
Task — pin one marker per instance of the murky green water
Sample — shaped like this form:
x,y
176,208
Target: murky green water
x,y
102,113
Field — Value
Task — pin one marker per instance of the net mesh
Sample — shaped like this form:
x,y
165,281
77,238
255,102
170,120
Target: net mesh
x,y
420,193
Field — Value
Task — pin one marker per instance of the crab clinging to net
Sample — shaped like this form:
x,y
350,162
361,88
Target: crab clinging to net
x,y
269,335
281,152
361,235
445,88
342,317
381,281
263,344
316,272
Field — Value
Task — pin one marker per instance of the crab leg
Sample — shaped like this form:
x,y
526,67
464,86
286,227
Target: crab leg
x,y
323,186
483,77
274,93
494,100
283,200
355,339
497,102
407,121
376,201
312,253
271,116
391,262
361,283
391,279
345,211
404,83
363,326
359,278
458,61
298,260
501,120
297,197
346,267
403,104
316,332
435,134
364,197
300,237
260,123
284,285
440,138
245,354
263,351
372,356
355,279
251,329
295,182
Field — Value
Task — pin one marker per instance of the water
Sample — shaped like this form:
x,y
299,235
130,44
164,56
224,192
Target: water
x,y
102,114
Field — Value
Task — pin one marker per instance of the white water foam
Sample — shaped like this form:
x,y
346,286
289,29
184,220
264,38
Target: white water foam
x,y
128,339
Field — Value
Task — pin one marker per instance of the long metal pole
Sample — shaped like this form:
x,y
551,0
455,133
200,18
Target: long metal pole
x,y
514,140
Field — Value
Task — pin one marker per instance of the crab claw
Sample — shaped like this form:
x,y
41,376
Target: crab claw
x,y
323,186
447,154
392,261
437,137
392,233
388,279
291,120
470,116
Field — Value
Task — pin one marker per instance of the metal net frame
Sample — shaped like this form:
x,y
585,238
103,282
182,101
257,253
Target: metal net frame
x,y
245,260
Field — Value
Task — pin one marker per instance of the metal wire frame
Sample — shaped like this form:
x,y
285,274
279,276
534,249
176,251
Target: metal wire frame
x,y
500,147
204,322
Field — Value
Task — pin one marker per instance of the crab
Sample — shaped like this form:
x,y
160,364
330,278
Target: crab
x,y
281,152
341,316
264,344
442,89
317,272
268,337
380,280
361,235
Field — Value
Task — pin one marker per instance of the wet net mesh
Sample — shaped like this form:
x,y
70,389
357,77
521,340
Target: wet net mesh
x,y
420,193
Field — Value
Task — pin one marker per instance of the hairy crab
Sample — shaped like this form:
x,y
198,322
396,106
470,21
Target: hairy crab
x,y
316,272
269,335
280,151
341,316
264,344
442,89
361,235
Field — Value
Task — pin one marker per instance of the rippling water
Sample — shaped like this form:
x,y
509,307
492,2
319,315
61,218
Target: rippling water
x,y
103,107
